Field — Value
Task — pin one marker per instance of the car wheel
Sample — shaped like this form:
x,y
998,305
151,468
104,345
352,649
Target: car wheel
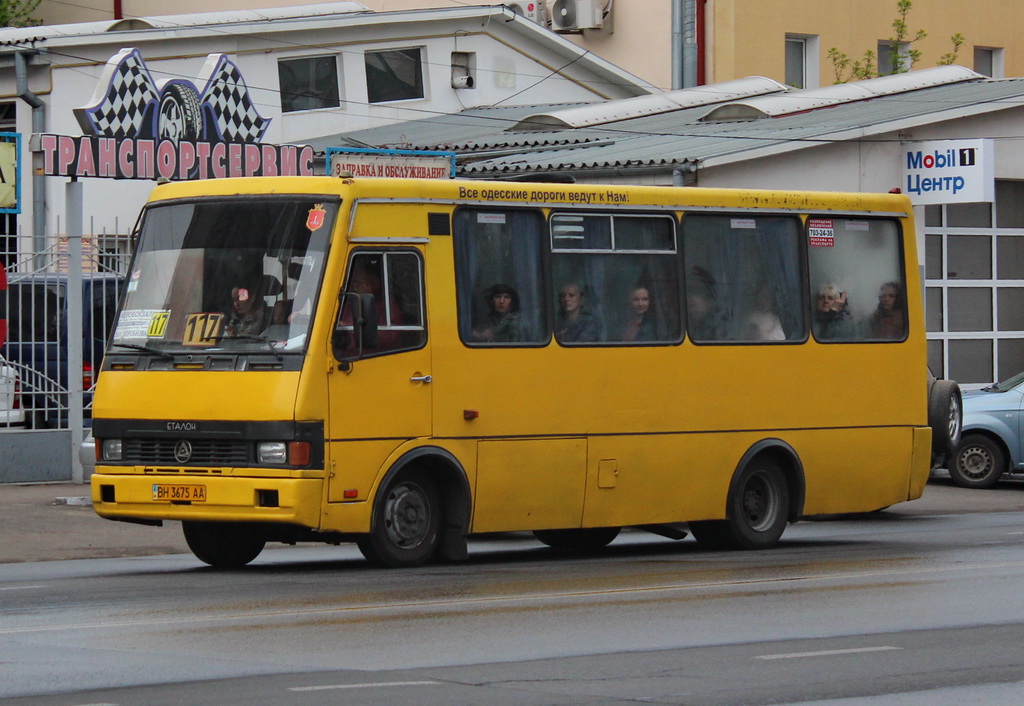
x,y
578,541
978,462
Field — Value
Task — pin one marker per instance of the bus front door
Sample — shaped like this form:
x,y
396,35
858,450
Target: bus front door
x,y
383,399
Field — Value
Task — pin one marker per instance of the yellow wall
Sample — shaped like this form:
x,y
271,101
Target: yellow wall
x,y
745,37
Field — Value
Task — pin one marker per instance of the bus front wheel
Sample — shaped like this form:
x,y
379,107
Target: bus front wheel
x,y
578,541
756,513
223,545
405,529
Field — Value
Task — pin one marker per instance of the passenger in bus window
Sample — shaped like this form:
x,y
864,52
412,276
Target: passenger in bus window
x,y
575,325
832,318
887,320
640,324
763,322
704,317
502,324
249,313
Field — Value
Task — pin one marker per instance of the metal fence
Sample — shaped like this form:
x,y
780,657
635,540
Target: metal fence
x,y
52,358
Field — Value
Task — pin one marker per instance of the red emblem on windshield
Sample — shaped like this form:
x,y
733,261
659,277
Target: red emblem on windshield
x,y
316,217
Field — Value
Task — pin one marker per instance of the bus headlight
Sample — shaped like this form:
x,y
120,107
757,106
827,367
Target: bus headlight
x,y
112,450
273,453
280,453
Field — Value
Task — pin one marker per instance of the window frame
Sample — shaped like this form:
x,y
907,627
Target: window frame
x,y
611,251
420,84
311,92
386,253
462,278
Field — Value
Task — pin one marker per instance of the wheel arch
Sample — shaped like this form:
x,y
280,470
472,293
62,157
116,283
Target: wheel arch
x,y
789,463
453,488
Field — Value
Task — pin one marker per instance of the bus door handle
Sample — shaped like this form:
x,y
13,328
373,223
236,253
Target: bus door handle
x,y
421,378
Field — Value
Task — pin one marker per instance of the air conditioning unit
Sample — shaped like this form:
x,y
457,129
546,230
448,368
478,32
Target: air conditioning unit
x,y
533,10
569,16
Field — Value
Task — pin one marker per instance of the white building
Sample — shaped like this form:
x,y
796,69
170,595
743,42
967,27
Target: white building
x,y
308,71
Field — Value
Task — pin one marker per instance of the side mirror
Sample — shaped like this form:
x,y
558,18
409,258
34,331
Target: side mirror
x,y
356,328
367,321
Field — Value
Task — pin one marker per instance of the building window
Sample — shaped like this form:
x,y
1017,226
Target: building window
x,y
802,61
308,83
988,61
974,298
394,75
893,58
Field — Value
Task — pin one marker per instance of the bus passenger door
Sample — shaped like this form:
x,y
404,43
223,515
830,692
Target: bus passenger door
x,y
384,397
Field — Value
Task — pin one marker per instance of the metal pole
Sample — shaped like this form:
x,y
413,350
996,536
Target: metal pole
x,y
73,296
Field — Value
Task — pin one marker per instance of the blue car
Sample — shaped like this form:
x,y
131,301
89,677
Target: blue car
x,y
991,442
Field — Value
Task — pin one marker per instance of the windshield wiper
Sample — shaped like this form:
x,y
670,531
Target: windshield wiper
x,y
146,349
250,337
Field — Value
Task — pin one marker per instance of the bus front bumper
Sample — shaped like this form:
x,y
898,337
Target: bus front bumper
x,y
149,497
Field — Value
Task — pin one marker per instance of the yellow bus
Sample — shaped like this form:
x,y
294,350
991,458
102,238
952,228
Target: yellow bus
x,y
407,363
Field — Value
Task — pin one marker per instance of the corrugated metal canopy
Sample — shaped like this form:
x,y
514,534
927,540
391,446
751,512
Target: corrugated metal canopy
x,y
665,141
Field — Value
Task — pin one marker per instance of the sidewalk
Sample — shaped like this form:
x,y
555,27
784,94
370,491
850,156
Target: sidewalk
x,y
56,521
52,522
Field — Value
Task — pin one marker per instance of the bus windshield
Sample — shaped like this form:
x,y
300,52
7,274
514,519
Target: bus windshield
x,y
237,275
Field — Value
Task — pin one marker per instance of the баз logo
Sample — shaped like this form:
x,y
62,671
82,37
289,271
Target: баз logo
x,y
128,102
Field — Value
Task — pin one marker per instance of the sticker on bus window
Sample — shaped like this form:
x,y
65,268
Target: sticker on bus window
x,y
317,216
490,218
822,232
858,225
202,329
158,324
135,323
742,223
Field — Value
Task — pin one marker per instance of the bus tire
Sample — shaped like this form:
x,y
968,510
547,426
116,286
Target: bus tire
x,y
578,541
978,462
406,523
757,510
945,417
224,545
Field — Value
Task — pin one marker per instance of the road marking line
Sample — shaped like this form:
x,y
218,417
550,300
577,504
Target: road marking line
x,y
372,685
20,588
824,653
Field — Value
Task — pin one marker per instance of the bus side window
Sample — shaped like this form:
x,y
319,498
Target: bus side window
x,y
395,280
500,277
616,279
857,289
743,279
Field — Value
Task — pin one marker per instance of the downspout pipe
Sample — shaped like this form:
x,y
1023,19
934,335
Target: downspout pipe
x,y
685,45
38,127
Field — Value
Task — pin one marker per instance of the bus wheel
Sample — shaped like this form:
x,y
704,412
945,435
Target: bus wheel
x,y
977,463
224,545
578,541
405,530
945,416
757,511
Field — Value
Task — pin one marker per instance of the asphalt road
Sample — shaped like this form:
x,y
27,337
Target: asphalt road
x,y
893,607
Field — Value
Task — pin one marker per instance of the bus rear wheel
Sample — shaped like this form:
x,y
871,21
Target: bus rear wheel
x,y
224,545
578,541
756,511
405,529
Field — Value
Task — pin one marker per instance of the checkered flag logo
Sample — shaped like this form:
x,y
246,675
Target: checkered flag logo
x,y
123,93
235,115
